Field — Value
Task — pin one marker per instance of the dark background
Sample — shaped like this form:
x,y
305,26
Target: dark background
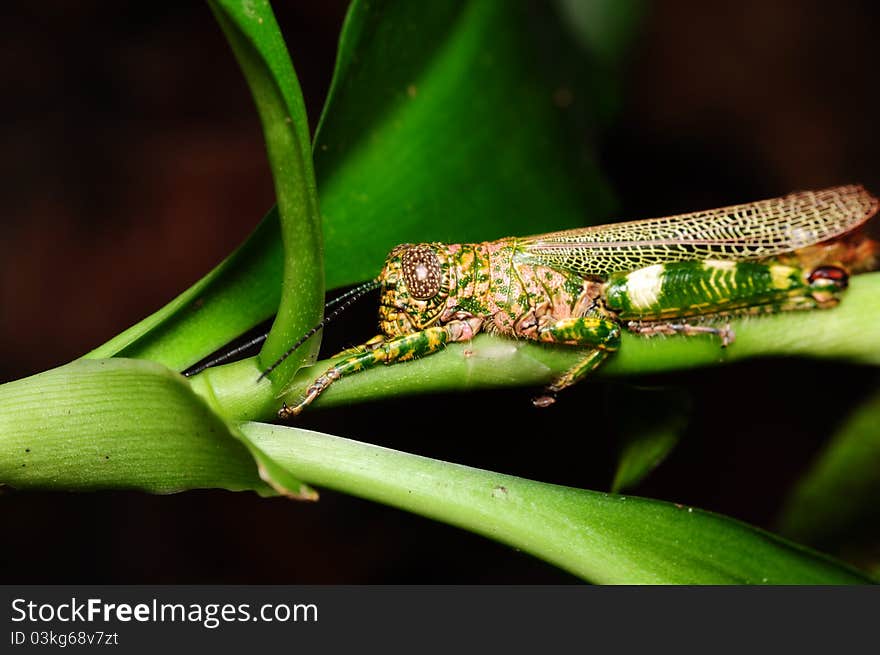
x,y
133,162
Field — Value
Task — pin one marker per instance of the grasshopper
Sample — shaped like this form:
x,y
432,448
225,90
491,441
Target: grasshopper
x,y
683,274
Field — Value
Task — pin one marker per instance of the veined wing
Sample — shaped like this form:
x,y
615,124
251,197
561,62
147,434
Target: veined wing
x,y
754,230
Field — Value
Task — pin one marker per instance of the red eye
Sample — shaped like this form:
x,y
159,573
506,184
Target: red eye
x,y
833,274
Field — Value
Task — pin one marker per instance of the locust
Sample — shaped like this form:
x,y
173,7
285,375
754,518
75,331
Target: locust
x,y
685,274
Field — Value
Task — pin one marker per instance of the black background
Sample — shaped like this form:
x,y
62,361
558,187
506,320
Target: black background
x,y
132,162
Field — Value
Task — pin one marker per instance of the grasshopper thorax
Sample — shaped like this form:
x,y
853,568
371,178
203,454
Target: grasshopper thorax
x,y
416,282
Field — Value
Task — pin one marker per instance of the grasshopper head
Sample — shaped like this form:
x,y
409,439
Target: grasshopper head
x,y
416,282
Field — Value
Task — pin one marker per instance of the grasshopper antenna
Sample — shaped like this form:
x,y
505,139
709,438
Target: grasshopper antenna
x,y
260,338
344,301
225,356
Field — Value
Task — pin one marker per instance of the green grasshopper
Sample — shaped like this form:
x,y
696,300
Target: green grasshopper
x,y
581,287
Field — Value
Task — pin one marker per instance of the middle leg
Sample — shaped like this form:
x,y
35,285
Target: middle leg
x,y
600,334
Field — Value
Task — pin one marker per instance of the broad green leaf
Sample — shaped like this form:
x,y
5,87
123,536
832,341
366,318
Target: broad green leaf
x,y
600,537
256,40
116,424
456,120
441,125
650,422
125,424
839,497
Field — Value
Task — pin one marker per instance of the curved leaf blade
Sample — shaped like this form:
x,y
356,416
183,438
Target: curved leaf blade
x,y
600,537
650,422
256,40
838,498
116,424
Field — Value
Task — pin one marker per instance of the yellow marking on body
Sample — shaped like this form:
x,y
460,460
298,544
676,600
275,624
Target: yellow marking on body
x,y
644,286
780,276
706,288
719,264
722,279
720,276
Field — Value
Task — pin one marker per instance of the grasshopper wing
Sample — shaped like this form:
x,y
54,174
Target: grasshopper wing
x,y
755,230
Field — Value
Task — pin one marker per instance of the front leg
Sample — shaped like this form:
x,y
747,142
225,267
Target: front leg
x,y
367,346
398,349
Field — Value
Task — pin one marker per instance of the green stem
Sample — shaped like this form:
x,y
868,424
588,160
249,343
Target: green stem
x,y
600,537
850,332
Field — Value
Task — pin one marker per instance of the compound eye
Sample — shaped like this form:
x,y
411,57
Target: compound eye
x,y
422,272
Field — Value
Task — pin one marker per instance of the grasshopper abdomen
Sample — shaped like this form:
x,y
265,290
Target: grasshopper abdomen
x,y
684,289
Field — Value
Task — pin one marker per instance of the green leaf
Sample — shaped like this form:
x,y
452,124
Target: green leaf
x,y
116,424
126,424
600,537
441,125
603,28
256,40
642,453
650,422
839,497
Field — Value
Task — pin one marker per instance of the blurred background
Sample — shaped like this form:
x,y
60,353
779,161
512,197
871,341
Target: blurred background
x,y
133,162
